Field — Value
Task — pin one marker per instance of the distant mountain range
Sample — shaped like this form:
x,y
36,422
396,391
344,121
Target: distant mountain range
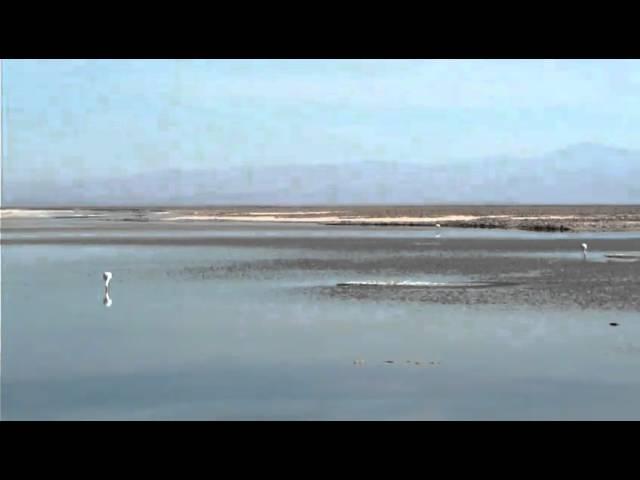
x,y
584,173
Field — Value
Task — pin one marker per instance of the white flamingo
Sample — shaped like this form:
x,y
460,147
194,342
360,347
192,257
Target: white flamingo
x,y
584,250
107,276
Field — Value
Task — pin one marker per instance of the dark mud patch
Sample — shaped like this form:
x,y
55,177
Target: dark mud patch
x,y
433,285
617,256
529,295
534,282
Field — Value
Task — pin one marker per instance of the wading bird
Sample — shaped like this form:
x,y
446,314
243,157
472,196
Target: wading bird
x,y
584,250
106,276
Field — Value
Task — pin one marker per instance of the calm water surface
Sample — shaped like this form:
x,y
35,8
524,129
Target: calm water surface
x,y
177,345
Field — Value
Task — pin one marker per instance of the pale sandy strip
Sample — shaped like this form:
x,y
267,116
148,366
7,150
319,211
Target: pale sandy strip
x,y
251,218
545,217
281,213
275,218
18,213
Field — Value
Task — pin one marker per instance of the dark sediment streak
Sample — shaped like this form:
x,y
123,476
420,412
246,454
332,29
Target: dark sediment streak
x,y
459,224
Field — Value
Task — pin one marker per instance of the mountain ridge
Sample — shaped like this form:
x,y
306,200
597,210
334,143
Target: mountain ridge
x,y
585,173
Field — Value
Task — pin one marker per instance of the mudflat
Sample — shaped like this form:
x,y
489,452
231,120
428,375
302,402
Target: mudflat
x,y
534,269
541,273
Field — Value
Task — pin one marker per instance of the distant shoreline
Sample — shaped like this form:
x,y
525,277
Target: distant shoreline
x,y
345,206
543,218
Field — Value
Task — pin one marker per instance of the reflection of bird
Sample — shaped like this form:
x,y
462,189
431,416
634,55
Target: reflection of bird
x,y
584,250
106,276
107,300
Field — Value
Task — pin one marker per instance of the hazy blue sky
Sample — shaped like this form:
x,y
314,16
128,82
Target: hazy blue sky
x,y
69,119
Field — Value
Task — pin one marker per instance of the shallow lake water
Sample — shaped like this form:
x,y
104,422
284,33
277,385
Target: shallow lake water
x,y
175,344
